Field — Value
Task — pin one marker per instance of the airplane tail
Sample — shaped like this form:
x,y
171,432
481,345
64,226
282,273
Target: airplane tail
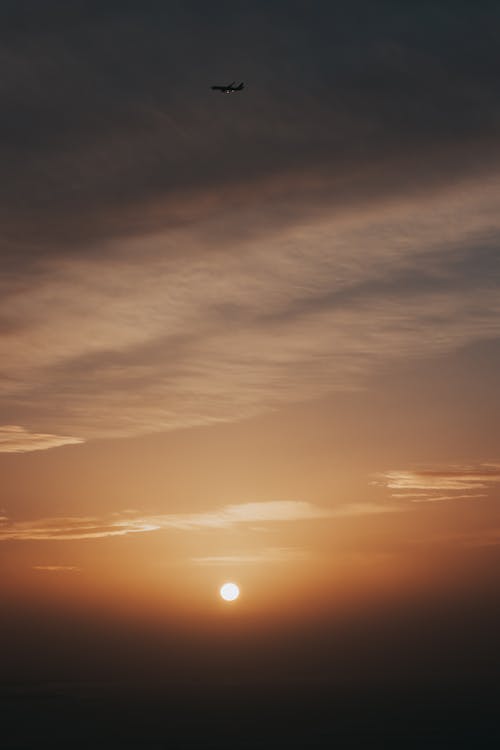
x,y
240,86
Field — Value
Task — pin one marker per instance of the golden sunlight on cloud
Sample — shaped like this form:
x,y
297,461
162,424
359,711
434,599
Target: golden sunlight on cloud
x,y
120,524
123,347
64,529
57,568
454,482
267,555
16,439
230,515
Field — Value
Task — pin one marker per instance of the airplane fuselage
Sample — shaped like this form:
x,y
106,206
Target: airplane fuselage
x,y
231,89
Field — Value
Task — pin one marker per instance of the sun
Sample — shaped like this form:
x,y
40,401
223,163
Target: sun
x,y
229,592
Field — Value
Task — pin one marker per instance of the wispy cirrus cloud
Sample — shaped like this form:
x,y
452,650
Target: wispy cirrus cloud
x,y
57,568
434,484
73,527
132,522
232,515
17,439
150,283
190,339
267,555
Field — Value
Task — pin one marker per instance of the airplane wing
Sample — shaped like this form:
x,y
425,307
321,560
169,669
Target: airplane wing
x,y
229,88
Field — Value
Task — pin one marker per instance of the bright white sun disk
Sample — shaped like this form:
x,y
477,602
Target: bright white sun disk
x,y
229,592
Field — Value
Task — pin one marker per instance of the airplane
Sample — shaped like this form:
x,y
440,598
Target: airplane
x,y
231,89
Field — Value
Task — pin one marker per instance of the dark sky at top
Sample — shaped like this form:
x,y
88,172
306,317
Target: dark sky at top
x,y
109,133
106,107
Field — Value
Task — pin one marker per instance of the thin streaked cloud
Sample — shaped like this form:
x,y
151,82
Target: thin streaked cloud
x,y
127,522
110,345
232,515
16,439
267,555
65,529
150,283
439,484
57,568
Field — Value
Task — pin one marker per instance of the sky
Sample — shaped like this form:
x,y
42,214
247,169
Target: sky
x,y
252,338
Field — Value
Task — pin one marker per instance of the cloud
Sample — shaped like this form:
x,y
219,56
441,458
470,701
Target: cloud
x,y
150,283
231,515
65,529
455,482
267,555
138,341
128,522
16,439
442,498
57,568
364,509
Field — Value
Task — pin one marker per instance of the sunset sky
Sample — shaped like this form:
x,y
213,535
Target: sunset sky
x,y
250,338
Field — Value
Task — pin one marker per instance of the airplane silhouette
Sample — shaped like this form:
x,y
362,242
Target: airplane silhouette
x,y
230,89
